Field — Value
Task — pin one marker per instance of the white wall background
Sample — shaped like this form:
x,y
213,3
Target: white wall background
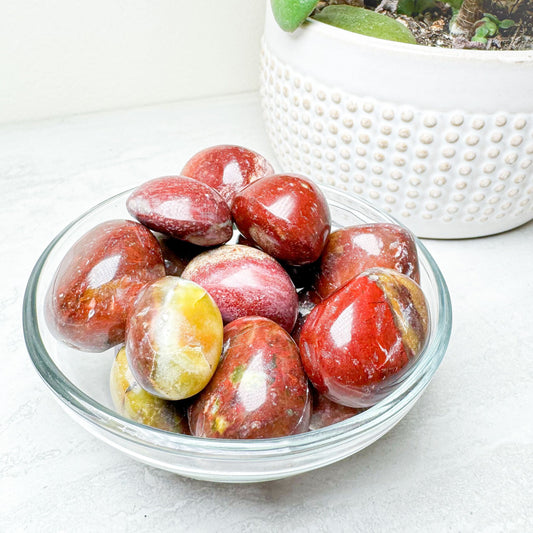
x,y
59,57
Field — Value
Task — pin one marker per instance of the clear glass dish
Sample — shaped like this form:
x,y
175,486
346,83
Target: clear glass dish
x,y
80,380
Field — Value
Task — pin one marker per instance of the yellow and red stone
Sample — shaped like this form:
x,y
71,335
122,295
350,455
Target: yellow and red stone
x,y
259,389
363,334
97,281
174,338
133,402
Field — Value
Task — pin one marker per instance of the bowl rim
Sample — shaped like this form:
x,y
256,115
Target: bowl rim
x,y
486,56
409,387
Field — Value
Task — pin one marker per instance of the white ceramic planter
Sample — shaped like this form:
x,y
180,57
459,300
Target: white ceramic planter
x,y
441,139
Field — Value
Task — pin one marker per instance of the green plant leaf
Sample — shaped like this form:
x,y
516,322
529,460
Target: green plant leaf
x,y
481,34
406,7
365,22
489,17
414,7
289,14
482,31
506,24
455,12
492,28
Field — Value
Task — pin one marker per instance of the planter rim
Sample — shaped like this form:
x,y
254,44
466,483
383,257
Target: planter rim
x,y
488,56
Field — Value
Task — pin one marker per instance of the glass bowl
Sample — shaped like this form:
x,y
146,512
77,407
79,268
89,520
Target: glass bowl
x,y
80,380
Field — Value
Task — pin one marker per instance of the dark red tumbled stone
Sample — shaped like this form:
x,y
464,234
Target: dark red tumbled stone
x,y
177,254
354,249
286,215
227,168
182,208
362,334
326,412
97,281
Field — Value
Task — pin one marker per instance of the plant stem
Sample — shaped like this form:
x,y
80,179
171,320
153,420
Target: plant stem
x,y
469,13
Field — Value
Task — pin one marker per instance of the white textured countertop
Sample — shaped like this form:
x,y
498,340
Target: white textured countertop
x,y
461,460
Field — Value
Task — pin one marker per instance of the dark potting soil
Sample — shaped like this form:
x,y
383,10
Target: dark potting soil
x,y
432,27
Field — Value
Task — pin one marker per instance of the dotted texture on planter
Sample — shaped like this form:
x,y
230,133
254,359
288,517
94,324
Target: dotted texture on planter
x,y
443,174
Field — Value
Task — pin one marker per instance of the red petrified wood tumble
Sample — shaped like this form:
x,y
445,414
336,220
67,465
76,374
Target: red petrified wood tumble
x,y
245,281
227,168
362,334
89,300
182,208
286,215
259,389
352,250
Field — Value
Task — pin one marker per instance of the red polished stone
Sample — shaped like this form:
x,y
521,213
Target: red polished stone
x,y
90,297
303,276
245,281
364,333
352,250
227,168
286,215
259,389
182,208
